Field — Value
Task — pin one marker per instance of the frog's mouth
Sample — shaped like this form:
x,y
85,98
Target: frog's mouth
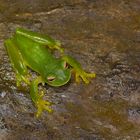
x,y
60,78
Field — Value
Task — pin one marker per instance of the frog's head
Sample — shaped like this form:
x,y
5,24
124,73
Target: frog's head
x,y
59,75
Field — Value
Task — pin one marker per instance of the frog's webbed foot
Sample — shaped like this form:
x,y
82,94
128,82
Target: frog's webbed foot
x,y
58,47
79,73
37,97
42,105
20,78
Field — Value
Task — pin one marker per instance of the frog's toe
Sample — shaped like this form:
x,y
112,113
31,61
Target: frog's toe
x,y
62,50
18,82
26,80
85,79
91,75
77,78
18,79
59,48
41,106
21,78
85,76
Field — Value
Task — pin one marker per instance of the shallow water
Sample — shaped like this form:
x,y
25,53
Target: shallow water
x,y
104,36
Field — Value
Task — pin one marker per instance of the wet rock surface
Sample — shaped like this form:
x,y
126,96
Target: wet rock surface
x,y
104,36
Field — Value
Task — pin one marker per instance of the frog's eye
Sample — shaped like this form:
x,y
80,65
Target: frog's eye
x,y
50,78
66,65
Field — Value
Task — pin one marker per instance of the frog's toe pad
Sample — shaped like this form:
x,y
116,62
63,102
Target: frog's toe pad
x,y
41,106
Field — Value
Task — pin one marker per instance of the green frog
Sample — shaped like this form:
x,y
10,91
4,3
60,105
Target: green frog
x,y
28,49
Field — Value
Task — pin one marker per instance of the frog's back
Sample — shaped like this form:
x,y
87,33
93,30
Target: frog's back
x,y
36,56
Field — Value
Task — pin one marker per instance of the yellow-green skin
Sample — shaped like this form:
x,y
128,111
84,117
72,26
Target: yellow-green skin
x,y
30,49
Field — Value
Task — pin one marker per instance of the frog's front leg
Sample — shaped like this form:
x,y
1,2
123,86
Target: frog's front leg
x,y
77,68
37,98
17,61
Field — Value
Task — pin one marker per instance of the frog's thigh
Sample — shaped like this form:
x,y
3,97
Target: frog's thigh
x,y
40,39
16,60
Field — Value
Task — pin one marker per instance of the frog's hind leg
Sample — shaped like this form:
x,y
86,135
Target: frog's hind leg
x,y
37,98
44,40
17,61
